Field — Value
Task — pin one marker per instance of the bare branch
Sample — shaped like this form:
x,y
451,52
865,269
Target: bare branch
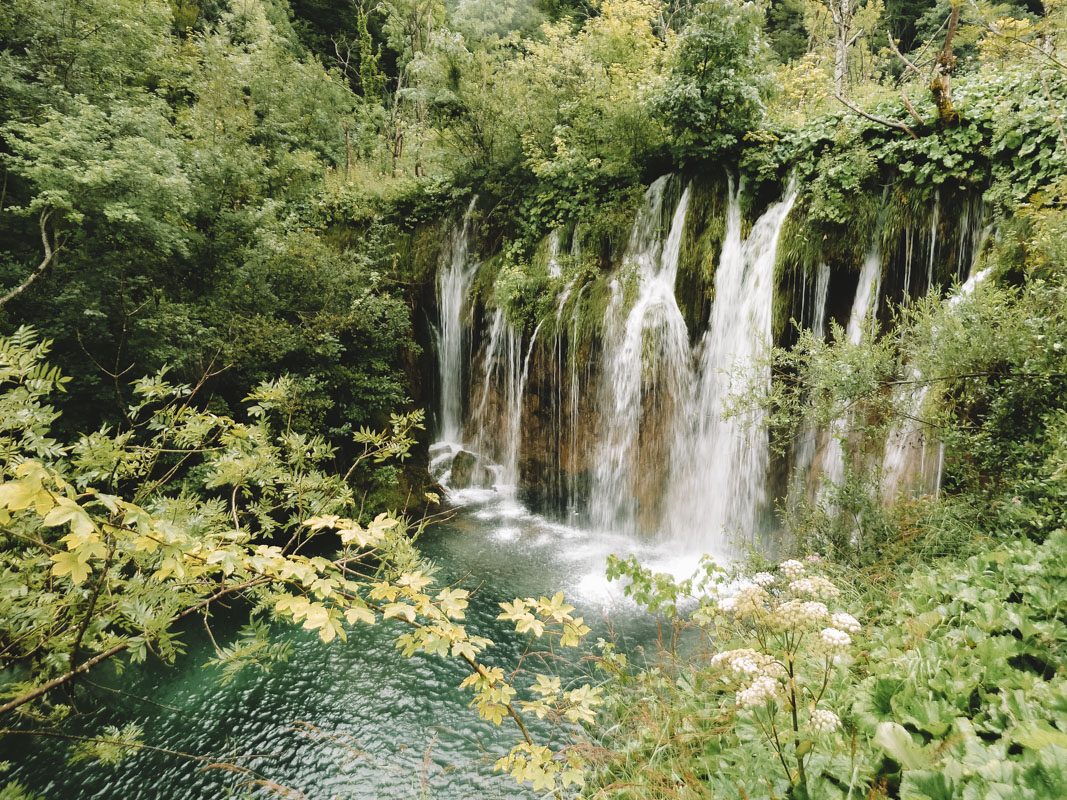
x,y
911,109
889,123
896,50
51,247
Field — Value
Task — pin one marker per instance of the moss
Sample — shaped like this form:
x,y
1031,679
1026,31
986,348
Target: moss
x,y
704,233
417,255
485,279
604,231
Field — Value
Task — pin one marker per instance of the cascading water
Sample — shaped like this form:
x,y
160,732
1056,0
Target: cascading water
x,y
804,451
719,464
573,398
907,459
554,240
638,421
864,306
516,393
935,218
496,422
453,291
822,291
646,357
566,387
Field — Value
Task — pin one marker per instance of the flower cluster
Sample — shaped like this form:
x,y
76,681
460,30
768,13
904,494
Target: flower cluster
x,y
800,614
748,599
798,629
763,579
792,569
845,622
824,721
834,639
747,663
761,691
815,586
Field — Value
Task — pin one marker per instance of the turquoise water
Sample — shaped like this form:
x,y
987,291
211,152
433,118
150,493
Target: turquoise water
x,y
350,719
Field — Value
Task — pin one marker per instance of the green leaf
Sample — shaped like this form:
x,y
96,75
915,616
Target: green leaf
x,y
1037,735
897,743
926,785
66,510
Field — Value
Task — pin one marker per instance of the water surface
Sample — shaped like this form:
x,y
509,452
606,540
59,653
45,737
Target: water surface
x,y
351,719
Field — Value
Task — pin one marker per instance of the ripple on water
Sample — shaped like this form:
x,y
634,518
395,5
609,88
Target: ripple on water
x,y
352,720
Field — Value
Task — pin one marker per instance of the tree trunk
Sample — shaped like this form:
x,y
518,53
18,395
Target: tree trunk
x,y
841,12
941,83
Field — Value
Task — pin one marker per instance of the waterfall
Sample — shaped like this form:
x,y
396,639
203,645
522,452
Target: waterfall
x,y
573,397
804,451
935,218
646,357
498,398
907,445
719,464
822,291
513,427
453,289
635,426
554,239
909,256
833,467
866,295
565,363
496,422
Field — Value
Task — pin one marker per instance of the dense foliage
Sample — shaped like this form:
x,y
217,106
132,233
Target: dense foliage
x,y
218,222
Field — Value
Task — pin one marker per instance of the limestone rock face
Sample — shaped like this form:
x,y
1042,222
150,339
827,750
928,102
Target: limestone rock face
x,y
469,470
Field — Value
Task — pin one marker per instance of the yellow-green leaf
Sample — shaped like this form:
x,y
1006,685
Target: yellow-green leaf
x,y
399,610
66,510
71,564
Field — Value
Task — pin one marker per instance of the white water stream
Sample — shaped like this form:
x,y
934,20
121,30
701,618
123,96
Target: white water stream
x,y
453,329
643,429
719,464
864,307
646,358
908,463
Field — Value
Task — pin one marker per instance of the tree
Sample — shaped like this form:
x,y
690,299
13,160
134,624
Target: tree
x,y
842,13
714,91
109,541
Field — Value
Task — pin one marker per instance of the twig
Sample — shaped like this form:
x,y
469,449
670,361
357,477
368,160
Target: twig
x,y
87,665
907,62
900,126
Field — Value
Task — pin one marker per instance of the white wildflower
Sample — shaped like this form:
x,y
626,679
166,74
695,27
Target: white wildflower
x,y
823,721
815,586
742,662
800,613
845,622
746,663
760,692
792,568
748,599
814,558
763,579
835,639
